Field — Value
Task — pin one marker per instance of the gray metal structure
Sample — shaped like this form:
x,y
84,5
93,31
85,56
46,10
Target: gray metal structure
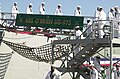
x,y
90,46
63,50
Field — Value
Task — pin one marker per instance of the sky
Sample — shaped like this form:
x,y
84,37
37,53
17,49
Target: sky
x,y
88,7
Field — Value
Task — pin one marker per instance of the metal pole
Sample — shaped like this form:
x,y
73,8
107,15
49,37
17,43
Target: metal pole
x,y
111,47
93,28
53,53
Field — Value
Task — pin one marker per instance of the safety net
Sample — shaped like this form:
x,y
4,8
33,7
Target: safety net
x,y
41,53
4,61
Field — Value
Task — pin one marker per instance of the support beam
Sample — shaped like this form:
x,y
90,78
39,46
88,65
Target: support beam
x,y
82,41
53,53
111,46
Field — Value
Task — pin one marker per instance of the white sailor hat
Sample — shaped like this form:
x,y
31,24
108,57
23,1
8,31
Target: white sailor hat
x,y
43,3
100,7
78,6
112,8
59,5
116,6
31,4
15,2
88,19
77,27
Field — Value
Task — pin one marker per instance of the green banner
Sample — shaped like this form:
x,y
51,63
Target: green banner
x,y
49,21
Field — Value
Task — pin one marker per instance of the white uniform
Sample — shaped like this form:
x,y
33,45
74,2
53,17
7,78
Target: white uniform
x,y
56,75
116,73
110,15
42,9
77,47
116,26
117,12
96,13
29,9
108,74
14,11
77,11
90,28
78,33
94,74
58,11
101,16
97,65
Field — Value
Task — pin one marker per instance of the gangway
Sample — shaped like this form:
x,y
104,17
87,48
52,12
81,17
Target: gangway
x,y
90,47
65,48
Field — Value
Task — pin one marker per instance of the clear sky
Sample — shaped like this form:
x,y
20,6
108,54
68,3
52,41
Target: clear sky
x,y
88,7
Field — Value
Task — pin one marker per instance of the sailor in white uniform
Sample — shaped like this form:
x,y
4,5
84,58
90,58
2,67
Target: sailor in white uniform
x,y
89,27
58,10
116,24
53,74
97,13
42,8
97,65
111,13
93,73
101,16
117,12
108,73
14,10
29,9
78,32
77,11
77,36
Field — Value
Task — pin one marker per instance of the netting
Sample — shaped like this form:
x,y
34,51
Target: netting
x,y
42,53
4,61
